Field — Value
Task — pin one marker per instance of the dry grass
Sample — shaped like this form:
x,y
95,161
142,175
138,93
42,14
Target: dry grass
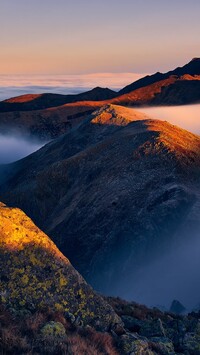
x,y
93,344
135,310
21,334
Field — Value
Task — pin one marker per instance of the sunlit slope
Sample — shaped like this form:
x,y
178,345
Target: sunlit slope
x,y
173,90
180,86
52,122
48,116
34,274
151,86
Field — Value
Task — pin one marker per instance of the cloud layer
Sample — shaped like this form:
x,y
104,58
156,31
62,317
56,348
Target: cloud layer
x,y
187,117
15,85
13,148
174,275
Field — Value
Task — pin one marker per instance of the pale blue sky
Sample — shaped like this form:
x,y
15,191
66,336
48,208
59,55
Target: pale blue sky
x,y
89,36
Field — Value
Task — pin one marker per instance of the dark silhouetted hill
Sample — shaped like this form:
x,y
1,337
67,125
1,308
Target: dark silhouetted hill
x,y
32,102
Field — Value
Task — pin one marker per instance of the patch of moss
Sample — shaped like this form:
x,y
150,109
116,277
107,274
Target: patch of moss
x,y
54,330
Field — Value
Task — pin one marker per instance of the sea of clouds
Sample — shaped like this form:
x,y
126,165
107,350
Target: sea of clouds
x,y
15,85
187,117
13,148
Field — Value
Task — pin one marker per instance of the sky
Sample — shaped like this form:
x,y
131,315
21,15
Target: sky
x,y
90,36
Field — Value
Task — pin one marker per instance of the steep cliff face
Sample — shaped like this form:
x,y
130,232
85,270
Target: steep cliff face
x,y
34,274
115,191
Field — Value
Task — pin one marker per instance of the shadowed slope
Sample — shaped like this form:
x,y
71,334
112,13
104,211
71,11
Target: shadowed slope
x,y
114,189
34,274
46,124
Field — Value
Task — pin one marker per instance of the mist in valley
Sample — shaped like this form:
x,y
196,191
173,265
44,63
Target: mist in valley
x,y
167,274
14,147
175,273
187,117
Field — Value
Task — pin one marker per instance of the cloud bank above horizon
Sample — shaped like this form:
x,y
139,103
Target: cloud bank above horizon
x,y
16,85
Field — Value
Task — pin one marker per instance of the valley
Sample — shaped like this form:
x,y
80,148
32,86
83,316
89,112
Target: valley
x,y
99,218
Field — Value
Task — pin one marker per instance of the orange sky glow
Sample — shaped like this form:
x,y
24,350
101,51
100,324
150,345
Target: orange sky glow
x,y
79,37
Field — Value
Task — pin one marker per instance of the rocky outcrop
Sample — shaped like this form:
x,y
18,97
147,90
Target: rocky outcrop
x,y
157,332
34,274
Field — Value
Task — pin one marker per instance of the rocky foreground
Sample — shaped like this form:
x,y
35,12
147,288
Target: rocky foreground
x,y
47,308
34,274
150,331
144,332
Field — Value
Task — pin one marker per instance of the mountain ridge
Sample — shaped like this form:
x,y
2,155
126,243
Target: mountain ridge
x,y
116,184
31,102
192,68
187,91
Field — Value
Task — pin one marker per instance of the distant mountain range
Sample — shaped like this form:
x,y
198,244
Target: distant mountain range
x,y
47,116
116,188
31,102
176,87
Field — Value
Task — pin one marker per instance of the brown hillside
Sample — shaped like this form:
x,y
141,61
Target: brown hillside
x,y
110,191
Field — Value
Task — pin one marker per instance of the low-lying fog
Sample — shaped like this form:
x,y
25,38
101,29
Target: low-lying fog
x,y
187,117
172,276
13,148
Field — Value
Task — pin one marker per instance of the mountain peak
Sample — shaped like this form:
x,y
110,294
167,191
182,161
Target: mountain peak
x,y
188,92
116,115
195,59
100,89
